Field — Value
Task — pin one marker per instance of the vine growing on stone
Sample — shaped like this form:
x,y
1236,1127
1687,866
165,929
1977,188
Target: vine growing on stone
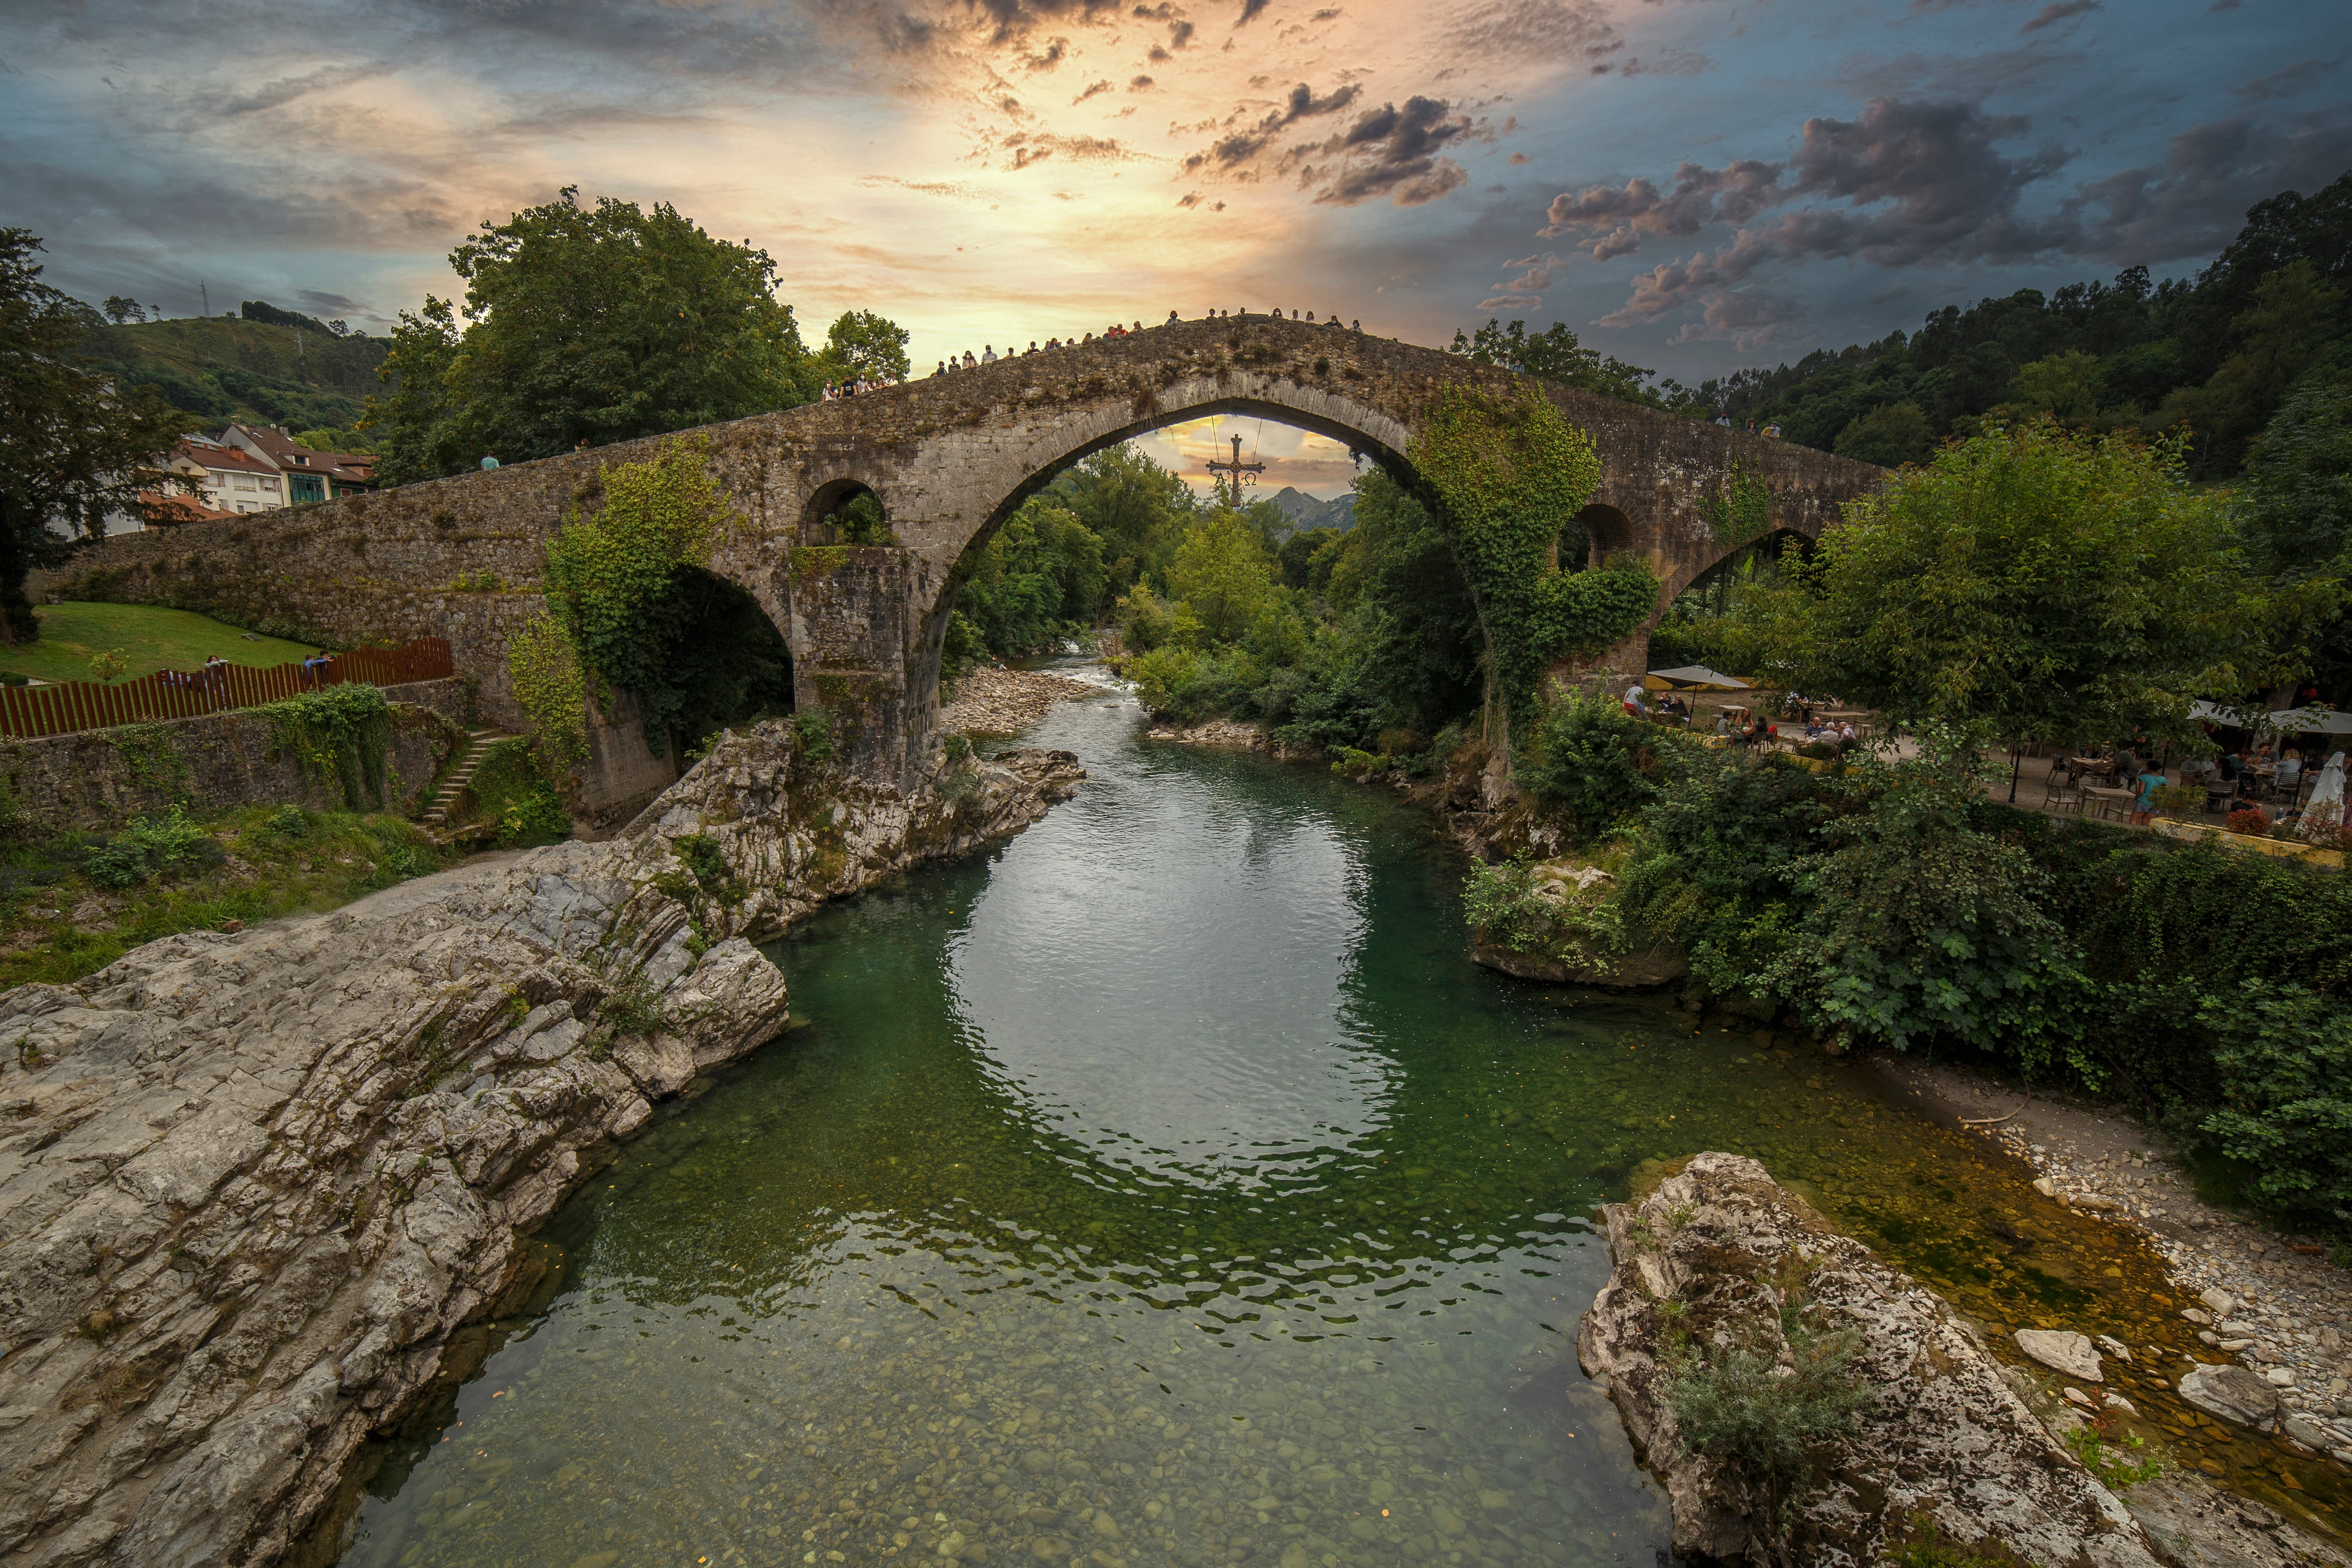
x,y
616,581
338,733
1509,473
552,688
1741,512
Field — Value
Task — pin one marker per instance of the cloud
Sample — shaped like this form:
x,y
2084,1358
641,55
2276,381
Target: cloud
x,y
1700,196
1028,147
1749,318
1519,158
1243,147
2195,200
1392,153
1533,29
1902,185
2057,11
2288,82
1092,88
1251,10
1510,302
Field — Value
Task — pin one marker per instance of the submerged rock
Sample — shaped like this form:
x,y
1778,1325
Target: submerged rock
x,y
1721,1255
2072,1354
2233,1393
251,1183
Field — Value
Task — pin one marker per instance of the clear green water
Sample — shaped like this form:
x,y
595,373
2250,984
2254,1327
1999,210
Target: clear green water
x,y
1165,1187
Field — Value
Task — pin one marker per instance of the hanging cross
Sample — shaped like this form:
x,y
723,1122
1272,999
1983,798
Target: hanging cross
x,y
1235,471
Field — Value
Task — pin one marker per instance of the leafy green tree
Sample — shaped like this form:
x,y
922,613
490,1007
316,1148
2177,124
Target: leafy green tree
x,y
1890,436
1136,507
121,310
1555,355
2295,314
2064,385
2026,584
74,444
1222,573
600,324
1040,579
1301,553
2298,520
863,345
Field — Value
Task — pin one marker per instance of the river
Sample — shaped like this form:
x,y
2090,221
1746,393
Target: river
x,y
1164,1187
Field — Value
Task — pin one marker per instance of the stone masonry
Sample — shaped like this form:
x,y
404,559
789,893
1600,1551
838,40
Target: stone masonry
x,y
949,458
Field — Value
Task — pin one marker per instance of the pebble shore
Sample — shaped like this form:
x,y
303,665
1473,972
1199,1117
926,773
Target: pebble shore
x,y
2275,1305
991,701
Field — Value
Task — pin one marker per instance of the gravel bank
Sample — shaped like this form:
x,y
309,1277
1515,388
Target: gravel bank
x,y
989,701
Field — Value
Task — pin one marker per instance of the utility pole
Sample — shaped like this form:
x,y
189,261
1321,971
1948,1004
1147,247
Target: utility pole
x,y
1234,475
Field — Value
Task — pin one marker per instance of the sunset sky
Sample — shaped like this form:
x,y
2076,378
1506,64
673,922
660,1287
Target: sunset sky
x,y
1691,184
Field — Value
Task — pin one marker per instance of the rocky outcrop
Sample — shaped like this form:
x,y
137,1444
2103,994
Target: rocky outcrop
x,y
1719,1256
1554,945
250,1184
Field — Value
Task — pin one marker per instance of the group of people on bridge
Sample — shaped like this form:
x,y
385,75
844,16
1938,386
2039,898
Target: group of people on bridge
x,y
988,355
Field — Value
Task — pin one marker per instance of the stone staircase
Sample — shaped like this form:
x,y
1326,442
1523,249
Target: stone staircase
x,y
478,747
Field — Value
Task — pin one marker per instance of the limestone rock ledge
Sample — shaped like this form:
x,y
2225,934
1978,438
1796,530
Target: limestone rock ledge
x,y
1944,1438
250,1184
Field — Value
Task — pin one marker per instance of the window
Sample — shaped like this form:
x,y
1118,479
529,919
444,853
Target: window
x,y
243,481
270,485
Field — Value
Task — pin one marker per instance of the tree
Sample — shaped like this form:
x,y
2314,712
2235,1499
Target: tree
x,y
2294,313
2066,385
74,445
122,310
1222,572
603,324
2026,584
2298,518
1138,508
1889,435
863,345
1555,355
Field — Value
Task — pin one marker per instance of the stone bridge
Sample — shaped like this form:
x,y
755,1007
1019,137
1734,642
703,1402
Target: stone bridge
x,y
948,458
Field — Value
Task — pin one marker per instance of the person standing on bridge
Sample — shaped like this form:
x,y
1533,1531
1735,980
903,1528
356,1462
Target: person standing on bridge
x,y
489,462
988,353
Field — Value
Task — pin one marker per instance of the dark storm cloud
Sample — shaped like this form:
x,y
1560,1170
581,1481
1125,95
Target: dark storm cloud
x,y
2196,199
1749,319
1243,147
1392,153
2294,80
1903,184
2057,11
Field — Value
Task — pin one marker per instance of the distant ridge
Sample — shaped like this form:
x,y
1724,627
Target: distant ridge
x,y
1306,512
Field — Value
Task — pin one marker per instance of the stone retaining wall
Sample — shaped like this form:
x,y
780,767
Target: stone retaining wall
x,y
101,778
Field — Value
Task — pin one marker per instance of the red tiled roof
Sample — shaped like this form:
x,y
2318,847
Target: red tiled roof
x,y
161,509
225,458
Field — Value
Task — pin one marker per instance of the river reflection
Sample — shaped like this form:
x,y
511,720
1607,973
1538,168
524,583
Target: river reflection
x,y
1162,1187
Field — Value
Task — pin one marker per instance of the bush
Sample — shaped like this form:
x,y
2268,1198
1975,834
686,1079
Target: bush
x,y
1762,1415
2250,820
2284,1056
1499,902
1591,760
814,732
513,794
150,847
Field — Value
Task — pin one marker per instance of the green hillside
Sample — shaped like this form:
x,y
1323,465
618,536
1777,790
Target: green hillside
x,y
226,369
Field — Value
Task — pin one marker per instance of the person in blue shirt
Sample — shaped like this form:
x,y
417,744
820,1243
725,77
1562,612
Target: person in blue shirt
x,y
2149,783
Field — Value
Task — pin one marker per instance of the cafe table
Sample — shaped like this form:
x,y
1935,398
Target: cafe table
x,y
2110,799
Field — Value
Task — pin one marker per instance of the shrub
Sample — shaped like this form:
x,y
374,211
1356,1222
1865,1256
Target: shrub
x,y
814,732
2284,1056
1591,760
338,732
2178,797
1500,901
148,848
1761,1414
2250,820
288,822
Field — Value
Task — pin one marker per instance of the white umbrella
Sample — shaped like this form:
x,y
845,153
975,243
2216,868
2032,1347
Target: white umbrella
x,y
2323,812
1694,677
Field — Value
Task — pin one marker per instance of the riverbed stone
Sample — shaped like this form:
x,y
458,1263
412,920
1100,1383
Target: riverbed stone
x,y
1944,1439
251,1183
2067,1353
2232,1393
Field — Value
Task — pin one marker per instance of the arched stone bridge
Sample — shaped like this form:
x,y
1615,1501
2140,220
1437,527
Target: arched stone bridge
x,y
949,458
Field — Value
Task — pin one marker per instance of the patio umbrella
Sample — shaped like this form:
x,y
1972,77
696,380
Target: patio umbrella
x,y
1694,679
2323,812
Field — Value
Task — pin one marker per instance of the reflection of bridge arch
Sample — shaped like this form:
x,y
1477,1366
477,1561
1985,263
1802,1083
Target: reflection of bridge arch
x,y
948,459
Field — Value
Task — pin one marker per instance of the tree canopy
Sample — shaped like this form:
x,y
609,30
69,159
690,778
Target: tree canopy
x,y
1555,355
74,443
861,345
602,324
2028,583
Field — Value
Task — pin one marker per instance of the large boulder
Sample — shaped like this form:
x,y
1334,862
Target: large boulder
x,y
2233,1393
1718,1255
1557,948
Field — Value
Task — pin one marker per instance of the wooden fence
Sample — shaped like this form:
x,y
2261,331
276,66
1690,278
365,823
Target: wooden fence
x,y
172,694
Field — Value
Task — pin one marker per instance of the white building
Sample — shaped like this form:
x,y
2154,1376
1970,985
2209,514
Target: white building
x,y
228,478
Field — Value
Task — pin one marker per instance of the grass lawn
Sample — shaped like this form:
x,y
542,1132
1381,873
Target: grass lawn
x,y
59,921
150,637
